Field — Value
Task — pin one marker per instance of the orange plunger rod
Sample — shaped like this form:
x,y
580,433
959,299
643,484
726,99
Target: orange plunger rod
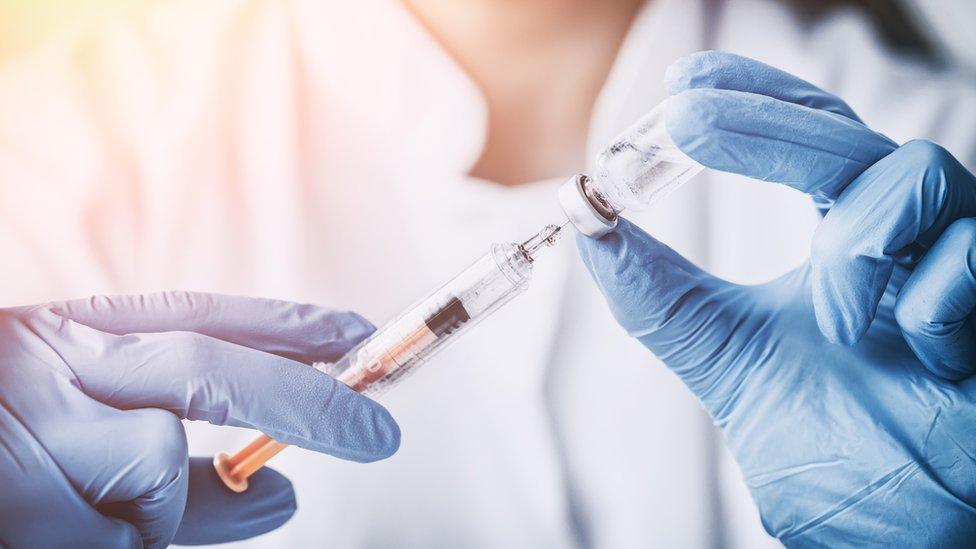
x,y
235,469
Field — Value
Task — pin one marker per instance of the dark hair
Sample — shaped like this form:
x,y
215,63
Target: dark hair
x,y
893,22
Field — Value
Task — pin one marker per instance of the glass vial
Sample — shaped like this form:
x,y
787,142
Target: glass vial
x,y
636,170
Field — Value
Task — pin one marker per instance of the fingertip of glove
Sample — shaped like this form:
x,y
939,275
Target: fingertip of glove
x,y
610,249
688,118
331,418
836,327
327,334
355,327
679,75
384,435
693,70
845,296
364,430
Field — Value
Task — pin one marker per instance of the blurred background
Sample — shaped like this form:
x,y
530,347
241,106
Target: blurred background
x,y
25,23
328,152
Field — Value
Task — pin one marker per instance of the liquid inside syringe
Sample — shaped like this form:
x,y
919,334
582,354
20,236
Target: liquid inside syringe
x,y
406,342
387,357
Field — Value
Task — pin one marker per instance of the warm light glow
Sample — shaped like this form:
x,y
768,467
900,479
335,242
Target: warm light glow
x,y
24,23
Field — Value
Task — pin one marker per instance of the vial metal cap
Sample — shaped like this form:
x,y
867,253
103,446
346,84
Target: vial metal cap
x,y
581,212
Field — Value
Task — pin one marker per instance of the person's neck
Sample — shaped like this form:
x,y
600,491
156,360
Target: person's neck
x,y
540,65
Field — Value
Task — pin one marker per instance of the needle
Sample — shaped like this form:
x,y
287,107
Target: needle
x,y
546,237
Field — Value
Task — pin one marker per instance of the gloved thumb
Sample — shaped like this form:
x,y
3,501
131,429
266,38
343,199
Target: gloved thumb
x,y
682,314
214,514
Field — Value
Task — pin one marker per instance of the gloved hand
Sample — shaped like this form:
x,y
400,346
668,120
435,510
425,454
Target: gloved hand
x,y
851,439
92,451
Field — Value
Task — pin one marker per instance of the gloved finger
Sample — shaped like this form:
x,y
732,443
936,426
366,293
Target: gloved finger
x,y
305,333
896,207
127,464
214,514
728,71
814,151
41,508
675,309
935,306
202,378
130,465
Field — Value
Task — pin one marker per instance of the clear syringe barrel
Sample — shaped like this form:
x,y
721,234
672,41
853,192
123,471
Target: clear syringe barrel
x,y
432,324
406,342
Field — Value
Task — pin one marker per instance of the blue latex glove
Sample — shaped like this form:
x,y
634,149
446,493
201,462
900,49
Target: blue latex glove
x,y
865,443
93,453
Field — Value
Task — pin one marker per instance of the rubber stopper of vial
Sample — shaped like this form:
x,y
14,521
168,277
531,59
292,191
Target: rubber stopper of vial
x,y
581,212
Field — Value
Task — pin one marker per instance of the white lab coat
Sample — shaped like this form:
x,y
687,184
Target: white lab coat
x,y
318,151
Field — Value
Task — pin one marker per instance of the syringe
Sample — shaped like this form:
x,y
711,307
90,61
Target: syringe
x,y
407,341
